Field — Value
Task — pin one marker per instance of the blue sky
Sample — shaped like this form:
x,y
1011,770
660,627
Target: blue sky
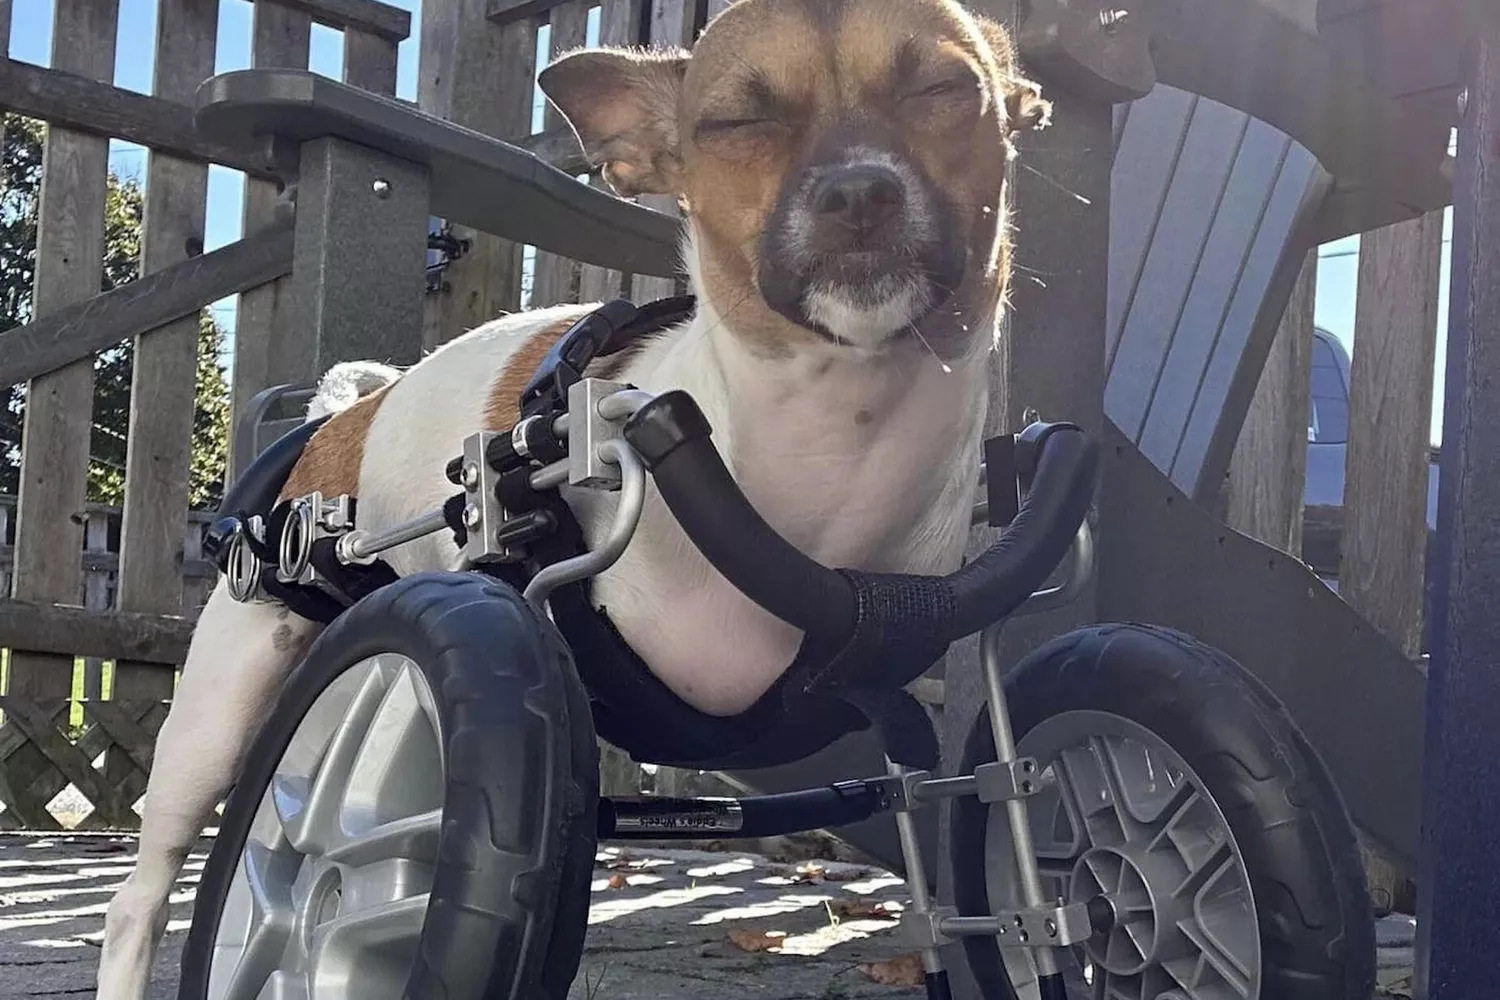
x,y
31,41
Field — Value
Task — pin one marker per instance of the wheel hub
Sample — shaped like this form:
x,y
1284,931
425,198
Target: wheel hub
x,y
1120,816
1138,886
330,895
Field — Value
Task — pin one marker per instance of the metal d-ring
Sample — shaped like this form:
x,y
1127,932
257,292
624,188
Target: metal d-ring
x,y
242,567
295,548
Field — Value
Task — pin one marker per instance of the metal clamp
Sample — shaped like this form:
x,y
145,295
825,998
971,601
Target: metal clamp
x,y
483,513
1059,926
588,430
1002,781
923,929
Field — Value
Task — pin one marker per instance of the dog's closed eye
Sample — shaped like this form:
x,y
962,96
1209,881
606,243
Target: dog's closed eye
x,y
717,126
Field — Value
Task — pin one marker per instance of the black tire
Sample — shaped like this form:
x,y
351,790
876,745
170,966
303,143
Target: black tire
x,y
510,894
1317,935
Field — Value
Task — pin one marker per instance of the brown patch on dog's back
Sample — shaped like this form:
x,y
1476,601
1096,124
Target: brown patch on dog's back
x,y
502,408
330,462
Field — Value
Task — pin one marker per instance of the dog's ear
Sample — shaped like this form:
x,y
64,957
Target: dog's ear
x,y
1025,108
622,103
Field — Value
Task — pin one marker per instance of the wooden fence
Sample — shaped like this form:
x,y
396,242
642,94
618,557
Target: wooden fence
x,y
101,600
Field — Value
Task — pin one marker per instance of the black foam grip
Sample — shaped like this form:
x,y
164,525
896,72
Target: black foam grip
x,y
997,582
663,425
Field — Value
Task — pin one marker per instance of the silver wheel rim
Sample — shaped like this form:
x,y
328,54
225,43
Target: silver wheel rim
x,y
330,893
1121,813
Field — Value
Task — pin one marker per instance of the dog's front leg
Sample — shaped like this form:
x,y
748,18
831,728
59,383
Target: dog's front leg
x,y
238,657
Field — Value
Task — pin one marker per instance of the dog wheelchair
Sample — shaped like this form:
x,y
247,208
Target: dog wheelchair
x,y
419,815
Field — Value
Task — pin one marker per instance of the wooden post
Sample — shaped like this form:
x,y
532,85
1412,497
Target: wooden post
x,y
1381,573
1460,899
370,61
59,407
555,278
266,351
163,389
1267,475
673,22
480,75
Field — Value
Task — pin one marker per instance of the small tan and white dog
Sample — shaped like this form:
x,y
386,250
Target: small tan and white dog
x,y
843,168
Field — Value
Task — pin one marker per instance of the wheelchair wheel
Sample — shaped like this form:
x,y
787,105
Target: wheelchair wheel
x,y
416,819
1177,785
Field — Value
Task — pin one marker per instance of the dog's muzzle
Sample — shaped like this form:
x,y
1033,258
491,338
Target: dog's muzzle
x,y
860,250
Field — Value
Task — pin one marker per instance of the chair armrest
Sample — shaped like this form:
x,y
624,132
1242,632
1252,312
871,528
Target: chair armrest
x,y
476,181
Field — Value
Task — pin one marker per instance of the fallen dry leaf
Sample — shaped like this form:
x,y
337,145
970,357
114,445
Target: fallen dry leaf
x,y
905,970
617,881
861,909
618,861
757,940
803,874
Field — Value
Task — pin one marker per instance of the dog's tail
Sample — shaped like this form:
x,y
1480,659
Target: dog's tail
x,y
343,385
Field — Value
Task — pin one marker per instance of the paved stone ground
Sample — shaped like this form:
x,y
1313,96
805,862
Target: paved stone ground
x,y
665,925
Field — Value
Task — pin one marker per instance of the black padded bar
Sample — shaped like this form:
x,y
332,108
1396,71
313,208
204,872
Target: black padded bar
x,y
476,181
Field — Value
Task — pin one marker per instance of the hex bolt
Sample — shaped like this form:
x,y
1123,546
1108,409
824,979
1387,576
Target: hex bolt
x,y
471,516
1050,926
382,188
470,476
1110,20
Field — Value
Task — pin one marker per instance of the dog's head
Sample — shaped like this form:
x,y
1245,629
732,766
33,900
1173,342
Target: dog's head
x,y
843,162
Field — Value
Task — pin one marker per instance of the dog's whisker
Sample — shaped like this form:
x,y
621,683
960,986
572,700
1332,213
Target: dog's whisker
x,y
1065,190
947,370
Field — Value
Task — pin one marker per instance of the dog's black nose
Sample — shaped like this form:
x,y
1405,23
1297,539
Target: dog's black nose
x,y
859,197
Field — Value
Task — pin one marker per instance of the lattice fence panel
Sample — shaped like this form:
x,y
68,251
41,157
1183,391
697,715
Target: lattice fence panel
x,y
41,756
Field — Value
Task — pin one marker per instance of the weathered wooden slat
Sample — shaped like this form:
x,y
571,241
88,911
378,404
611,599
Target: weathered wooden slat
x,y
1267,475
380,19
555,279
558,147
1384,542
370,62
69,631
163,393
619,24
1390,410
80,330
672,22
69,269
460,46
511,11
97,108
99,563
267,350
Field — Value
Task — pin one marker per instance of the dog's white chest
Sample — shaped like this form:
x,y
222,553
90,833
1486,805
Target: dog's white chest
x,y
858,467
